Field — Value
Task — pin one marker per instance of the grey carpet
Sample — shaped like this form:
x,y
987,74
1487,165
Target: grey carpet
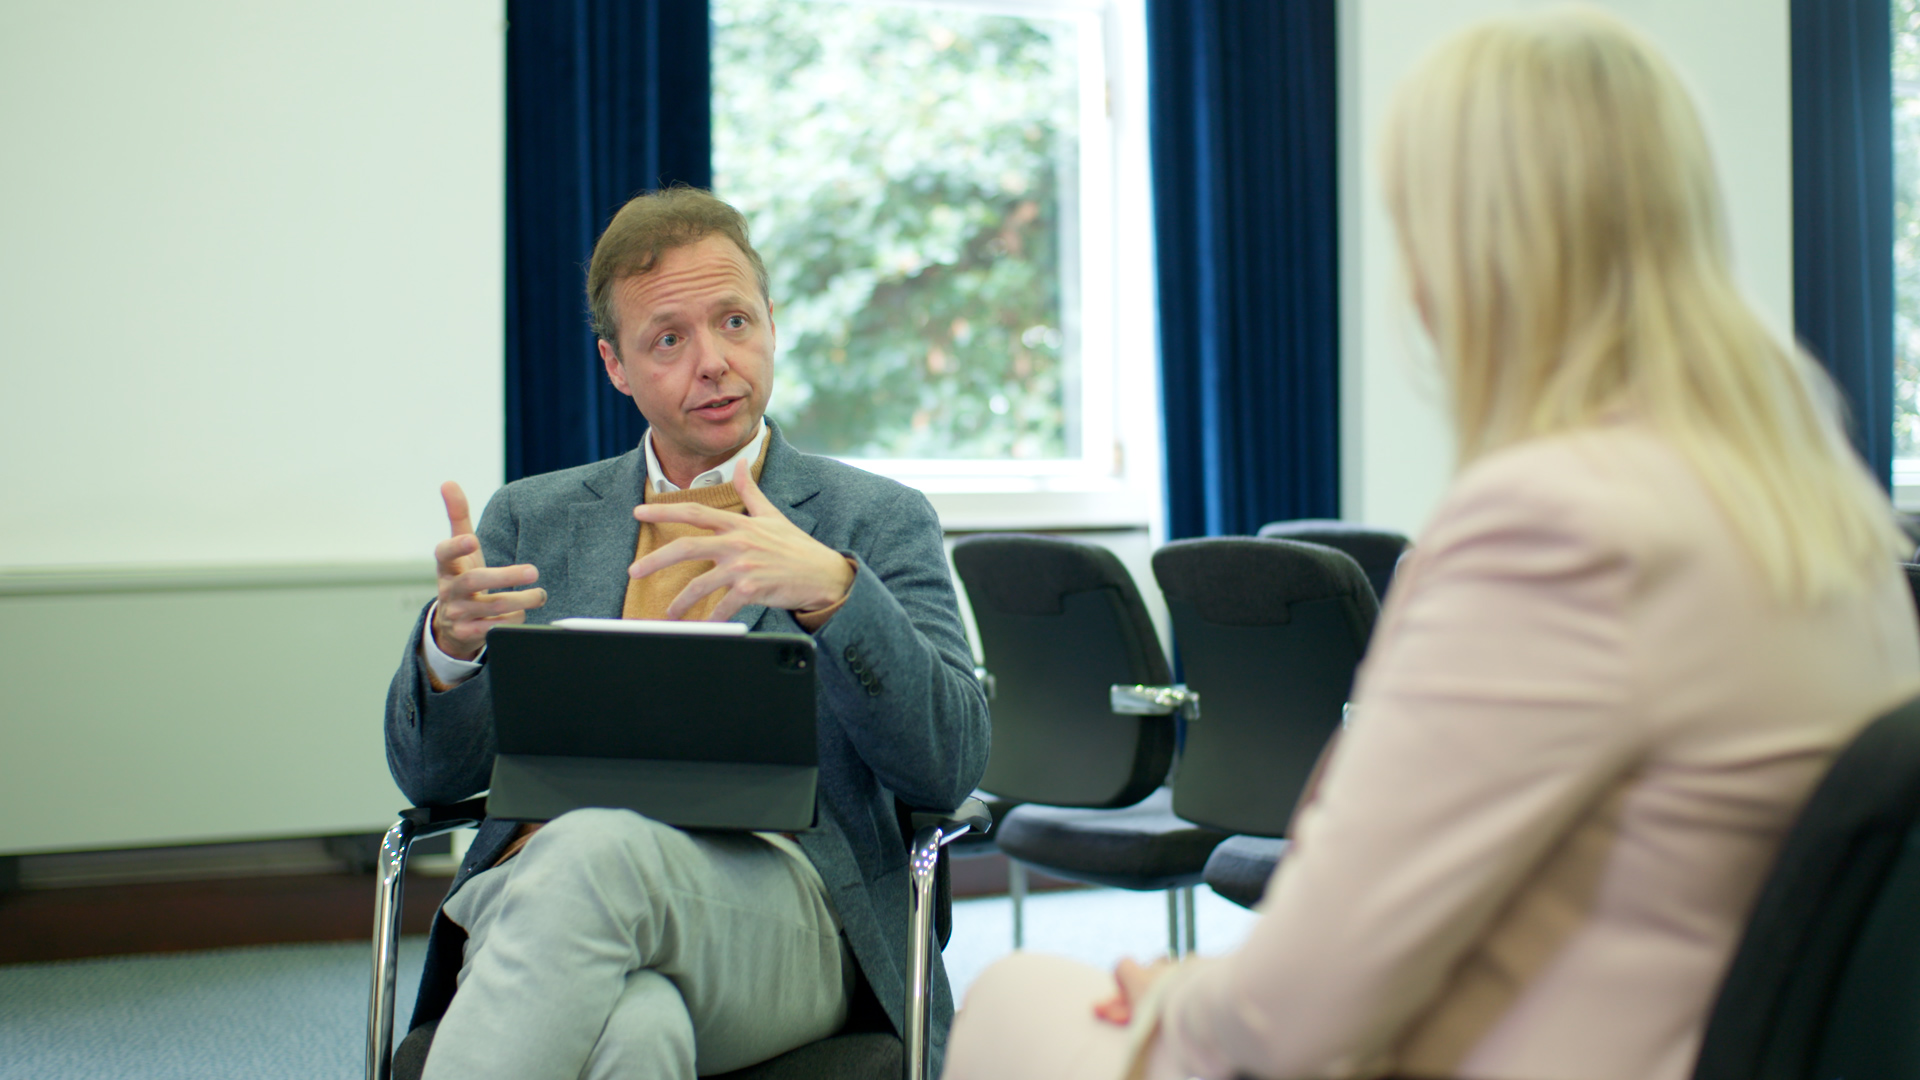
x,y
299,1011
283,1011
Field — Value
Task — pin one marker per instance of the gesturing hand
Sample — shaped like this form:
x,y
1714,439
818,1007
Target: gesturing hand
x,y
1132,980
467,610
759,557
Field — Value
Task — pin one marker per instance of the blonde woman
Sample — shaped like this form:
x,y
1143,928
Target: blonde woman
x,y
1659,596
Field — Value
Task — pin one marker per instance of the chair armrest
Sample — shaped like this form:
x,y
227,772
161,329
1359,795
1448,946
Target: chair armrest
x,y
1137,700
434,820
991,685
972,813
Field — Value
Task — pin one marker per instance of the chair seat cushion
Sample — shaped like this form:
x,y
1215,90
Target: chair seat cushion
x,y
1143,846
410,1057
859,1056
1241,866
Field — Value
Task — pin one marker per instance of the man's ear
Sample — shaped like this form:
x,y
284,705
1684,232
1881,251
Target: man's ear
x,y
773,331
615,371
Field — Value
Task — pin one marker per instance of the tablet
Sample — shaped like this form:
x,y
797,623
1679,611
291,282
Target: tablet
x,y
656,626
699,730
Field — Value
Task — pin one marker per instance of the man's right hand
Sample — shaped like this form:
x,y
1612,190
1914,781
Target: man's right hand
x,y
467,610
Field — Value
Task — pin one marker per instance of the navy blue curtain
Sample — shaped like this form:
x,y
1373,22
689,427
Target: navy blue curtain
x,y
1843,208
605,99
1243,113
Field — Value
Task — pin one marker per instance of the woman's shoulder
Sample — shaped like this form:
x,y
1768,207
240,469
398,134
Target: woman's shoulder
x,y
1612,459
1621,488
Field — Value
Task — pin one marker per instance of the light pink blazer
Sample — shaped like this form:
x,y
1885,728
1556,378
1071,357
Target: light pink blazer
x,y
1578,739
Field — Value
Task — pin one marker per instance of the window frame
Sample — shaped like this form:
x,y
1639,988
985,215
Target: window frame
x,y
1115,480
1905,481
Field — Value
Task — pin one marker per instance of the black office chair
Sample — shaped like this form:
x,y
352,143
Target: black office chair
x,y
867,1049
1270,632
1241,866
1377,551
1065,635
1826,981
1913,583
978,844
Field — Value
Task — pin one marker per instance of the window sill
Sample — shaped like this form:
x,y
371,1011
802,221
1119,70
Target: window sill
x,y
1906,485
977,496
977,511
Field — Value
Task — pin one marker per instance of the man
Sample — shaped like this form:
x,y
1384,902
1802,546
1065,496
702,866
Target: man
x,y
605,944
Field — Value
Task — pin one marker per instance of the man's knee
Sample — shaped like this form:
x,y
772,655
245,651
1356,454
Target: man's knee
x,y
648,1033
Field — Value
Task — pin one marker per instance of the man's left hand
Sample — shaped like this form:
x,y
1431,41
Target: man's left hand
x,y
759,557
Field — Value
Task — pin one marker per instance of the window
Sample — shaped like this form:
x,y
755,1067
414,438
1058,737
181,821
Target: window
x,y
1906,253
935,190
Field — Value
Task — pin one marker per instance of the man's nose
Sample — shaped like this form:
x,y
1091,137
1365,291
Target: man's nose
x,y
710,355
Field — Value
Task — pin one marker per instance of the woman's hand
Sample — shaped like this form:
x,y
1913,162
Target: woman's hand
x,y
1132,981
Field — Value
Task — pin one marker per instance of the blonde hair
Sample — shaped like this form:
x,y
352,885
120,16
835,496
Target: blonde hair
x,y
1561,223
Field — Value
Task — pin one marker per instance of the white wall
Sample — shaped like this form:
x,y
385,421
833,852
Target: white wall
x,y
1733,54
250,318
167,708
250,288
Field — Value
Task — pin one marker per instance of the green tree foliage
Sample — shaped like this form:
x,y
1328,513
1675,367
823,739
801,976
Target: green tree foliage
x,y
1906,228
902,168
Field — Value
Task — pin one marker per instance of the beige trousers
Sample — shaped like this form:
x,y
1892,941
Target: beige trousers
x,y
614,946
1030,1015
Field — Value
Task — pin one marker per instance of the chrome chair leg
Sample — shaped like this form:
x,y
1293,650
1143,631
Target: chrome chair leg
x,y
415,824
923,862
1017,890
392,876
1183,930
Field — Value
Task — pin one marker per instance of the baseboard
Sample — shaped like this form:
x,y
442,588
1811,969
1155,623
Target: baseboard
x,y
986,875
41,925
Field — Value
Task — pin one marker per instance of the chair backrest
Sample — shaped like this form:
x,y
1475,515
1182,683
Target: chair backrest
x,y
1826,980
1913,583
1377,551
1269,633
1060,623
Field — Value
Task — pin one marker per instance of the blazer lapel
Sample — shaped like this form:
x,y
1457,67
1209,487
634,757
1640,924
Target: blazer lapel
x,y
604,534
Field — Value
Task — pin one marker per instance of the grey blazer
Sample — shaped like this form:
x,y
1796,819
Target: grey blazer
x,y
900,713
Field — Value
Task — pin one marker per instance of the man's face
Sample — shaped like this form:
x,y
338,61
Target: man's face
x,y
696,353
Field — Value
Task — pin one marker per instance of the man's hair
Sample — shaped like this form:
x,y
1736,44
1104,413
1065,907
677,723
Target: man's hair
x,y
1564,237
649,226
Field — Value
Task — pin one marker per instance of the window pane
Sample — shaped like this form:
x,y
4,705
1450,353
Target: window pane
x,y
1906,229
910,174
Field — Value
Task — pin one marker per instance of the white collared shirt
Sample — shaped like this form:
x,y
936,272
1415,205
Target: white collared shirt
x,y
452,671
719,474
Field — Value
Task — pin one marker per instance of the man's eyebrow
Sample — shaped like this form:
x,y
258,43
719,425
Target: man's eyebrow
x,y
729,302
